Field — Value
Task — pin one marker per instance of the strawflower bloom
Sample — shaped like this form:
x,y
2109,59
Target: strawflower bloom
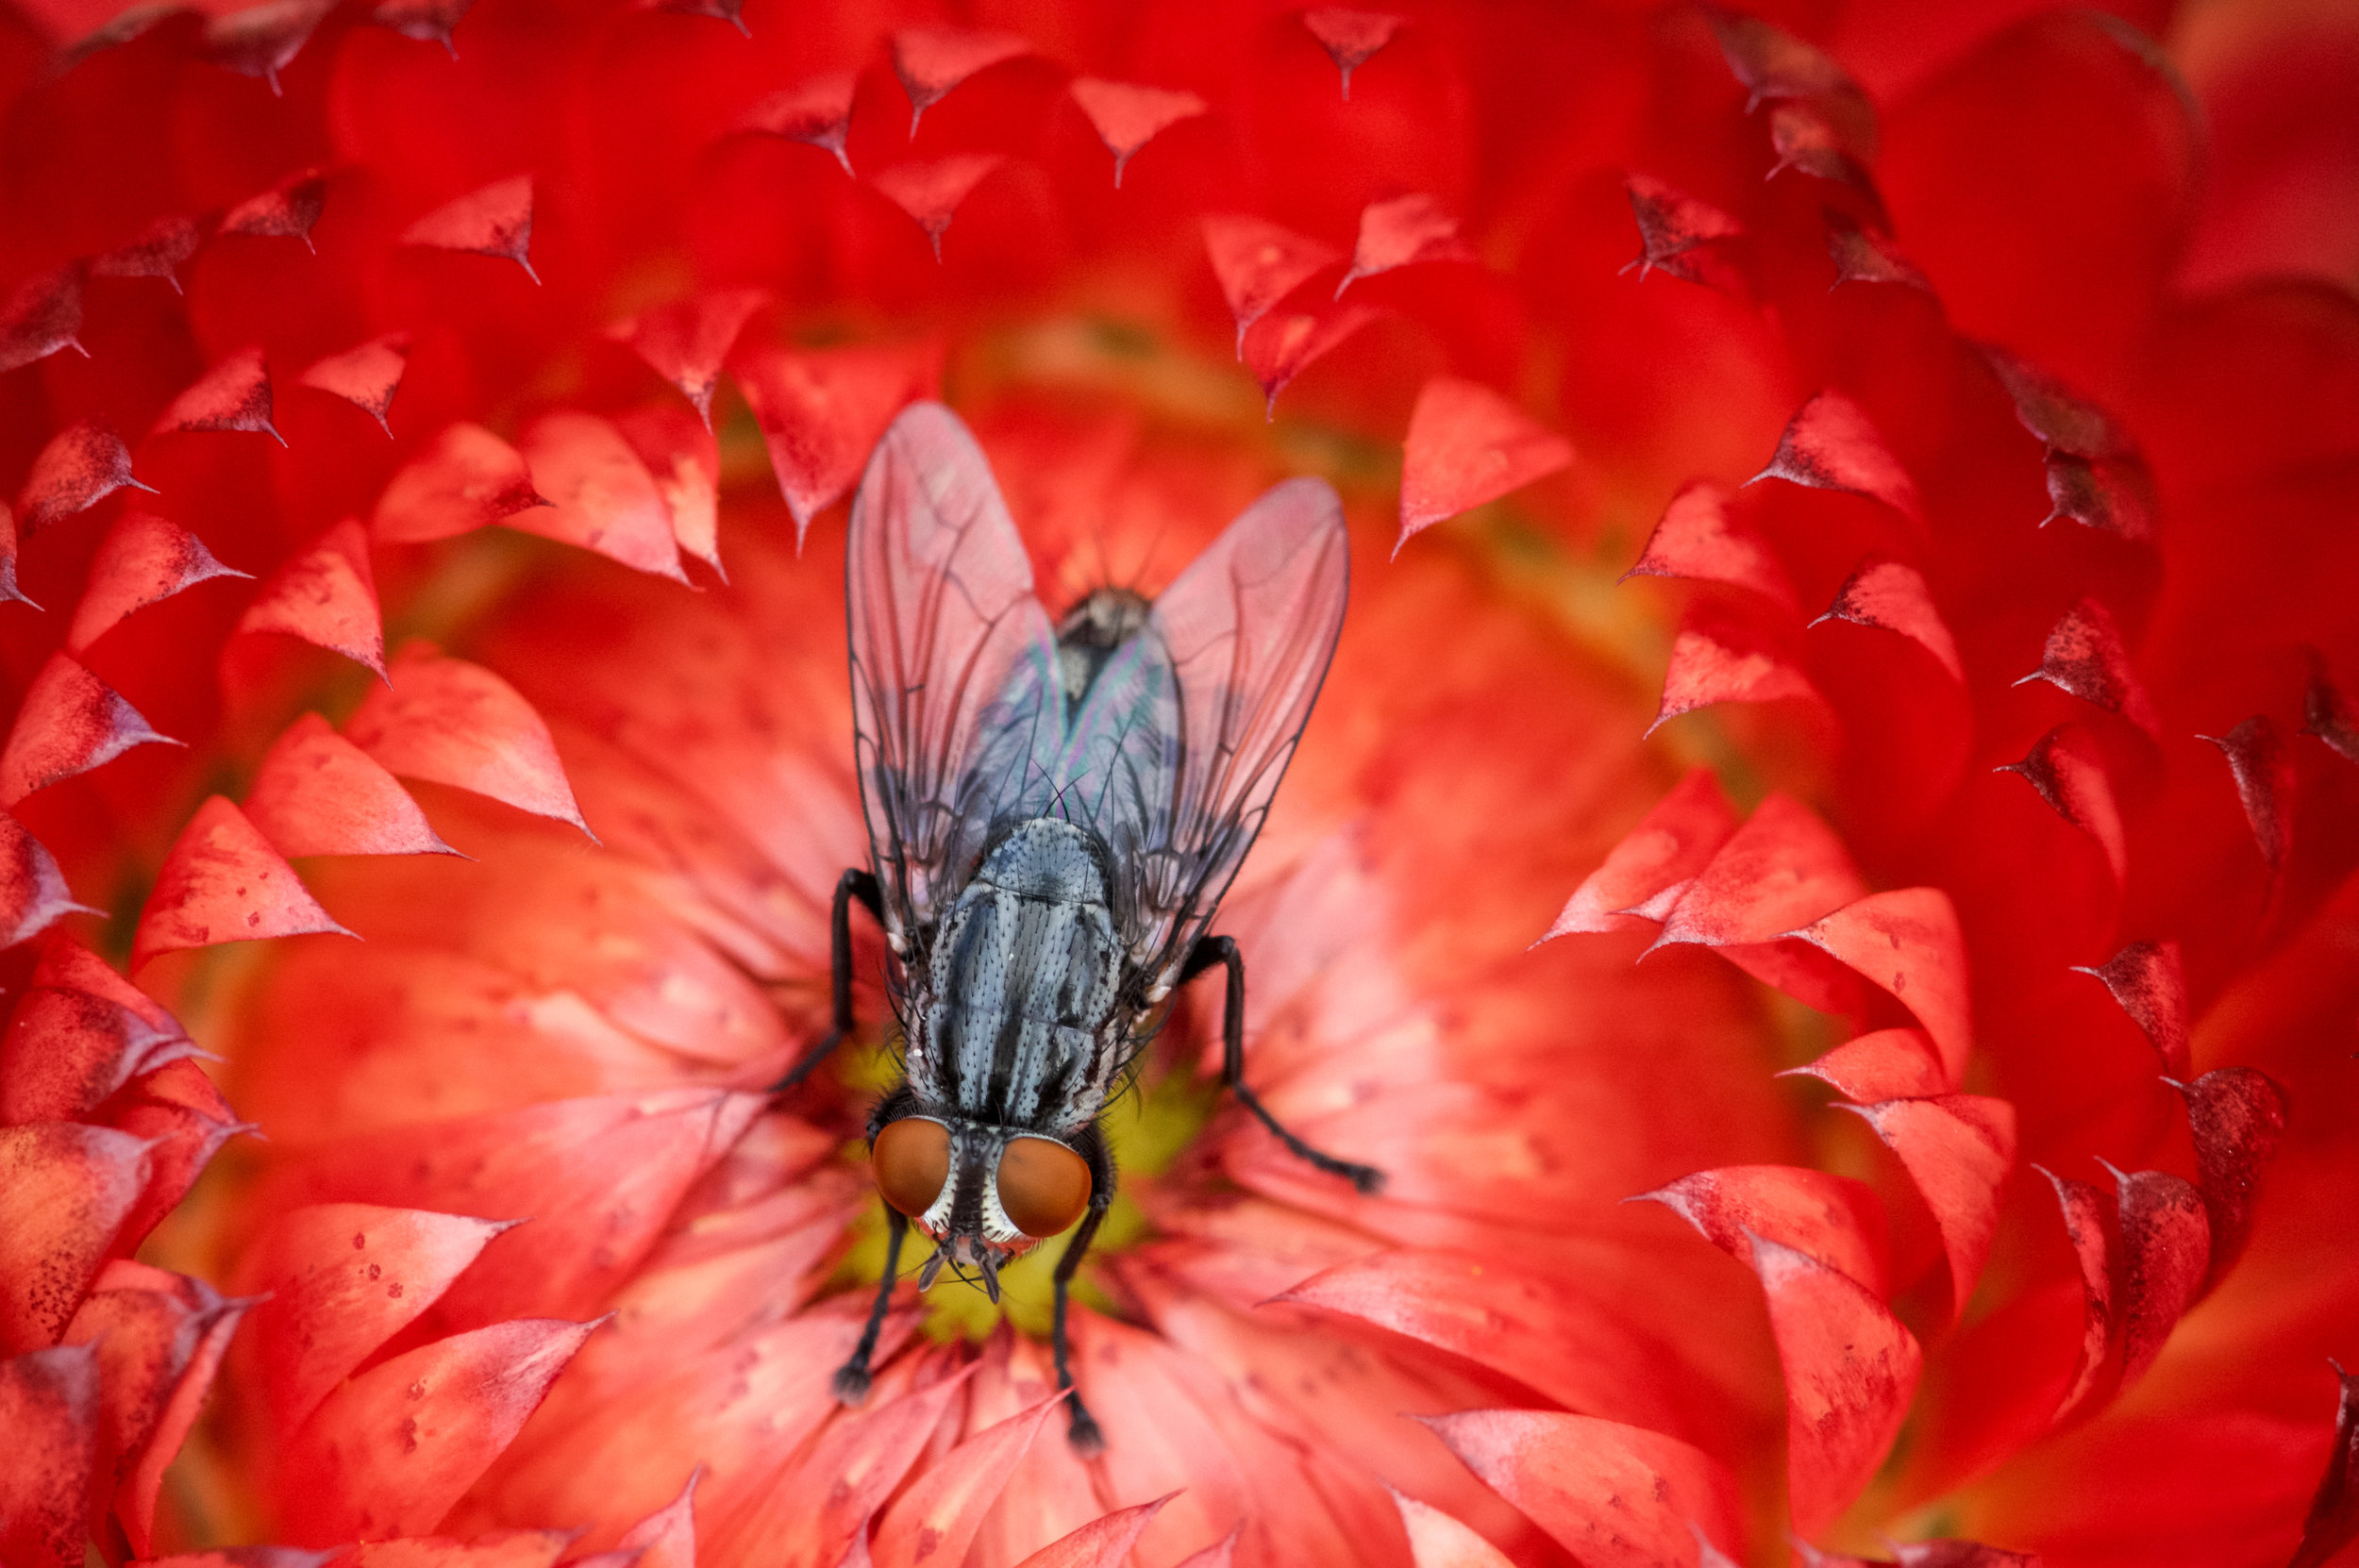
x,y
1822,872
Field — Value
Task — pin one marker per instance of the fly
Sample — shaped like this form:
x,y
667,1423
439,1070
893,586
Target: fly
x,y
1054,813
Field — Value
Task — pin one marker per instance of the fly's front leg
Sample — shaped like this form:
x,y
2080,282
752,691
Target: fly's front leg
x,y
1223,950
852,884
851,1378
1082,1432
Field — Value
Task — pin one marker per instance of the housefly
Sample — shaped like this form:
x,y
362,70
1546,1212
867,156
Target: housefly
x,y
1054,812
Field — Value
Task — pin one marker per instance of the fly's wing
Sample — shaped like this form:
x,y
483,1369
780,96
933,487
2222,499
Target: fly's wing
x,y
1175,757
956,706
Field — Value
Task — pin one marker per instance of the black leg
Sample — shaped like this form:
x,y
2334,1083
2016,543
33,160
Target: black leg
x,y
1223,950
852,884
851,1378
1082,1431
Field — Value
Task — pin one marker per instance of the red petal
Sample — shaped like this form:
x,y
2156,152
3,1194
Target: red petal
x,y
1614,1497
10,592
1723,654
389,1452
1646,872
1467,445
1699,540
184,1121
494,220
42,317
68,965
1284,343
930,189
260,1557
66,1051
817,112
1832,444
1960,1554
1773,63
827,1503
1400,232
2264,770
601,495
144,560
2053,412
1101,1543
317,793
1888,1064
1833,1219
1959,1149
2166,1248
2085,656
1894,597
233,395
221,882
821,413
685,343
2146,978
428,21
49,1407
2111,496
685,463
340,1279
944,1508
1782,870
2236,1116
1349,37
69,723
2332,1522
1859,257
2326,714
33,894
667,1537
493,1549
64,1189
1908,942
932,60
1438,1541
1128,117
327,596
260,39
2090,1225
468,480
2066,768
1850,1371
83,464
366,376
1218,1555
286,211
454,722
1673,228
1259,263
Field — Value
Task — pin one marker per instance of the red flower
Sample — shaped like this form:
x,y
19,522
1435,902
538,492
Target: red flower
x,y
1943,367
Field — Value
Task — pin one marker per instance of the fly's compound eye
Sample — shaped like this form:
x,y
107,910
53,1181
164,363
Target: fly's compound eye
x,y
1042,1185
912,1161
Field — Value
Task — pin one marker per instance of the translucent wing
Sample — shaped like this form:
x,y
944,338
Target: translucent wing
x,y
956,706
1180,747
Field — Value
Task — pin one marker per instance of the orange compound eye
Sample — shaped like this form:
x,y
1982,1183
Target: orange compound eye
x,y
1042,1185
912,1161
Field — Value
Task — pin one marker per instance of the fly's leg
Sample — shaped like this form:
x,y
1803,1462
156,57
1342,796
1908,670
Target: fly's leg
x,y
851,1378
852,884
1082,1432
1223,951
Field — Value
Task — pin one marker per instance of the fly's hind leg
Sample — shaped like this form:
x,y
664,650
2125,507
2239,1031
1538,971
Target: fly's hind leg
x,y
851,1378
1207,952
1083,1432
852,884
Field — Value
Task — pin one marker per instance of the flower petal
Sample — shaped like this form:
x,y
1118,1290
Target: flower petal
x,y
317,793
1784,868
65,1189
42,316
2326,713
1438,1541
181,1117
1101,1543
2264,770
932,60
1892,596
931,189
366,376
1832,1219
667,1537
467,479
1647,873
1832,444
817,112
1467,445
327,596
2332,1522
685,462
1959,1149
450,722
1675,229
287,210
1698,538
144,560
1402,231
2085,656
1888,1064
2236,1116
944,1507
2067,768
66,1051
1127,116
49,1406
69,723
822,411
1614,1497
221,882
1726,653
685,343
233,395
1282,344
2151,983
2166,1248
1908,943
33,894
2091,1223
494,1549
1259,263
81,465
495,221
601,496
1350,36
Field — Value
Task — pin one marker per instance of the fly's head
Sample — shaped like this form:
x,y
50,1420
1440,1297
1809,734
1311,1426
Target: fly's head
x,y
982,1194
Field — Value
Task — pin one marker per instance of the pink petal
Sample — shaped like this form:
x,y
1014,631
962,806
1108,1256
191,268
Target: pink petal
x,y
494,220
2326,714
467,479
2166,1251
1674,228
1655,860
822,411
2090,1224
1349,37
1467,445
286,211
1832,444
49,1407
2149,981
1723,654
1614,1497
942,1509
2236,1116
450,722
1894,597
1284,343
2264,770
932,60
1259,263
33,894
340,1279
1908,943
1959,1149
366,376
317,793
69,723
42,317
65,1188
327,596
233,395
931,189
1888,1064
221,882
601,496
389,1452
1438,1541
685,343
82,464
2085,656
667,1537
2068,770
144,560
685,462
1782,870
1218,1555
817,113
1832,1219
262,40
1400,232
1126,117
1699,541
826,1503
67,1051
1101,1543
